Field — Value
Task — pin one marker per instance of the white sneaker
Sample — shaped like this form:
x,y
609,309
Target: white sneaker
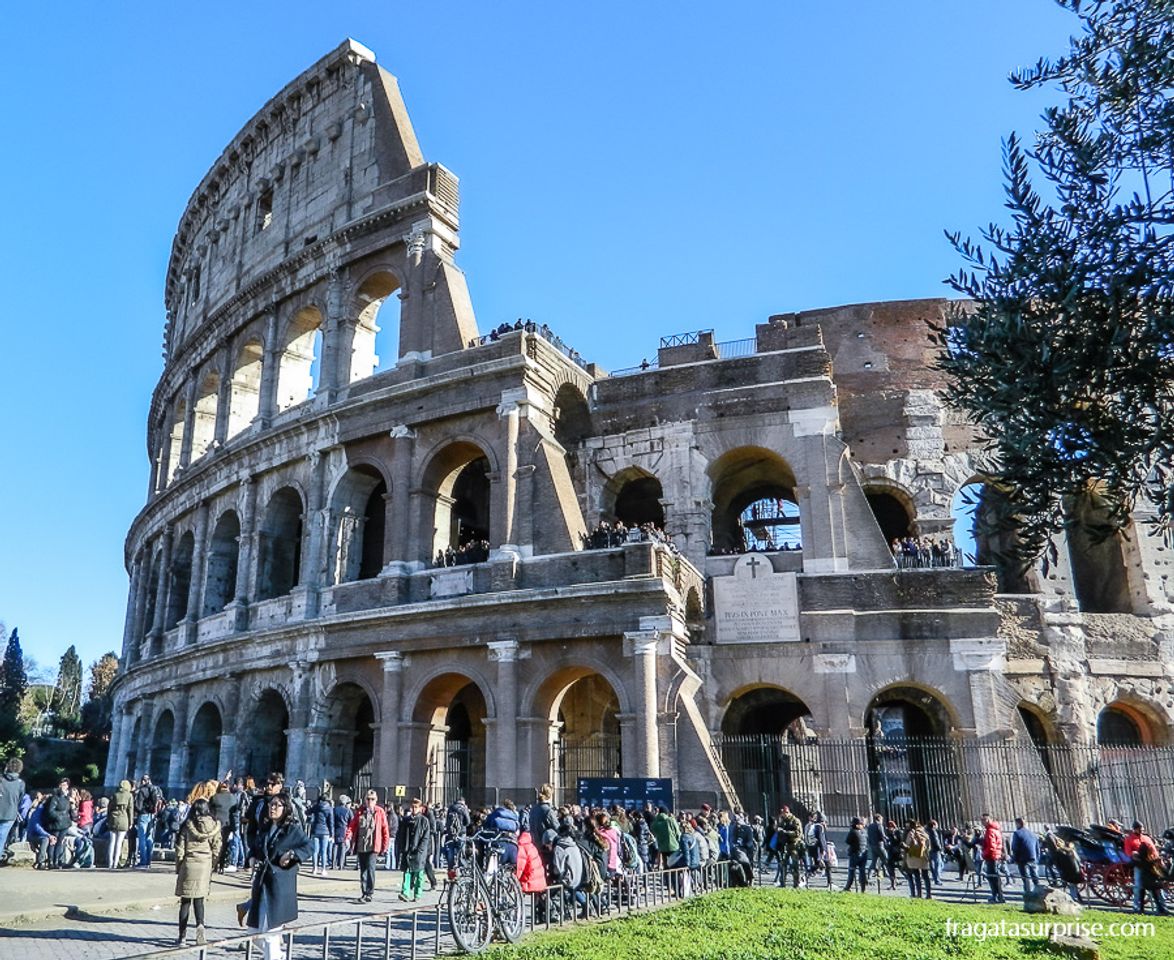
x,y
230,869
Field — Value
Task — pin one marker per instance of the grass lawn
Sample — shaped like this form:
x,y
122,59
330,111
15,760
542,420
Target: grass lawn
x,y
772,924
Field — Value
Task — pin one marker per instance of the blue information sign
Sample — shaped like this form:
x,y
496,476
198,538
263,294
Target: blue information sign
x,y
626,791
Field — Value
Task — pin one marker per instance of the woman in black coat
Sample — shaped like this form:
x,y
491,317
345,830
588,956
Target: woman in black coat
x,y
281,846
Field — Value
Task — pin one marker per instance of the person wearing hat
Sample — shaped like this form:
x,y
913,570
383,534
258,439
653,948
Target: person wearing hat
x,y
857,845
1148,871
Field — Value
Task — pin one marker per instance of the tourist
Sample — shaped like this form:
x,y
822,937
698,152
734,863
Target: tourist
x,y
273,902
531,871
39,839
320,827
11,793
876,844
391,855
1025,854
57,821
667,835
118,820
916,844
257,814
148,803
894,852
1066,862
790,846
368,837
342,820
936,851
542,816
857,856
1148,869
85,811
456,826
416,849
611,836
993,855
197,851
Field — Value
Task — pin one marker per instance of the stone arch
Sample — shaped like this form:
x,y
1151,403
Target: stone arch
x,y
571,416
358,512
175,443
345,726
893,508
221,567
1039,726
1127,722
300,359
449,711
764,709
374,333
132,754
1100,579
279,547
152,600
204,743
755,501
457,478
204,419
582,705
244,397
633,496
934,714
263,739
162,736
983,537
181,580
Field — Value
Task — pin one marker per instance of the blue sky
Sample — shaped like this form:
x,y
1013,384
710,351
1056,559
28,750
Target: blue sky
x,y
628,171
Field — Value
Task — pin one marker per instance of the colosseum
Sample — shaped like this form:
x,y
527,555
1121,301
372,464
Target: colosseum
x,y
381,547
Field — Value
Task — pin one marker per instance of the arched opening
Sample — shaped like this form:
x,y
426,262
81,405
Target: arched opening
x,y
223,555
892,512
159,764
585,729
358,512
985,535
181,580
1119,725
765,733
913,767
152,601
130,770
755,504
572,417
348,740
245,392
374,346
280,545
175,444
459,475
204,744
263,746
453,708
638,502
297,372
1099,577
204,420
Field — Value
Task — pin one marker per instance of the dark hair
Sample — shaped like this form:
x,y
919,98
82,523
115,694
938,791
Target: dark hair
x,y
15,765
200,808
286,806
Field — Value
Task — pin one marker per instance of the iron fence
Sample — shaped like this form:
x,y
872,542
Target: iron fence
x,y
951,780
598,756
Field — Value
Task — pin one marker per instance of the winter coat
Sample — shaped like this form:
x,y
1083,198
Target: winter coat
x,y
567,863
531,872
57,815
612,836
36,831
856,841
11,790
380,837
122,811
417,841
222,803
1024,846
790,834
279,884
915,858
542,818
321,819
342,819
504,820
992,843
667,834
691,849
85,814
197,848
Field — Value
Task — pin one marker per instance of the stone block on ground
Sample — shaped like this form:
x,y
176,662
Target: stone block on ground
x,y
1051,901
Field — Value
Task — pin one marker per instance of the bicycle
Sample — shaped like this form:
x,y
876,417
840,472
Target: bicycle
x,y
483,894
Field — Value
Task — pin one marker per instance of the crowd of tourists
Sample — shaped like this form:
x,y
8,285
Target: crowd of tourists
x,y
473,551
917,553
529,326
607,535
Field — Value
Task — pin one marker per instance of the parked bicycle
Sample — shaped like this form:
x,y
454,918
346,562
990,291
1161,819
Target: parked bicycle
x,y
484,894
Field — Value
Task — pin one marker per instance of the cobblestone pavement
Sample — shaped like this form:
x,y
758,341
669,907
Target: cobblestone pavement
x,y
107,935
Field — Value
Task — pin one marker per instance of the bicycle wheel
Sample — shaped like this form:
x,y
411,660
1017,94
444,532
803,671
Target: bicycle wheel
x,y
509,904
469,915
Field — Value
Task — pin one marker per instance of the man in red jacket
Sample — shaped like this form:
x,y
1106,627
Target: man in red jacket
x,y
368,837
1143,853
992,855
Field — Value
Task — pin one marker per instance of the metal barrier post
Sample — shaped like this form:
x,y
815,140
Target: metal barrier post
x,y
359,939
415,927
436,933
325,941
386,938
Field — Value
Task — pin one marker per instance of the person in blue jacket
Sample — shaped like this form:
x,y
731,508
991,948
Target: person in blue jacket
x,y
320,827
37,836
342,817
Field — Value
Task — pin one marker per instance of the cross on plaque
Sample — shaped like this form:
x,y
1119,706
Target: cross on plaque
x,y
754,564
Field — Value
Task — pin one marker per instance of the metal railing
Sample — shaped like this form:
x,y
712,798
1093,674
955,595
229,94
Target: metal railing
x,y
424,933
726,350
683,339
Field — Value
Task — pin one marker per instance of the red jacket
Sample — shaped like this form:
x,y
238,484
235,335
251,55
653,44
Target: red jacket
x,y
992,842
382,835
1140,843
531,872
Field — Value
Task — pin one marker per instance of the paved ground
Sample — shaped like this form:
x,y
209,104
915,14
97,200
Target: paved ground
x,y
103,915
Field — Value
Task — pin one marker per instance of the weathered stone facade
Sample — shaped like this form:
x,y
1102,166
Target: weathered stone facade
x,y
285,607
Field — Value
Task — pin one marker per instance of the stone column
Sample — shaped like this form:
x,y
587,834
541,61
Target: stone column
x,y
177,767
504,740
246,555
139,626
390,755
643,646
143,748
189,424
267,403
132,610
398,532
113,754
337,337
232,699
196,584
299,714
310,575
505,484
223,397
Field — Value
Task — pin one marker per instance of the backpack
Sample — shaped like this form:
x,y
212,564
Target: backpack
x,y
629,851
592,878
453,826
917,846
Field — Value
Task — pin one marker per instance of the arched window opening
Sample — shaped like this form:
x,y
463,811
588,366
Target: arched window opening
x,y
982,539
159,765
204,421
152,594
470,510
264,739
280,545
1118,726
638,502
297,374
1038,734
223,555
375,344
1099,577
245,394
572,418
453,709
358,513
892,514
458,478
348,742
175,444
755,504
586,728
181,580
204,745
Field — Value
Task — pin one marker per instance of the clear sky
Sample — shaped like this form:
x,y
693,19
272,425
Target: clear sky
x,y
627,171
